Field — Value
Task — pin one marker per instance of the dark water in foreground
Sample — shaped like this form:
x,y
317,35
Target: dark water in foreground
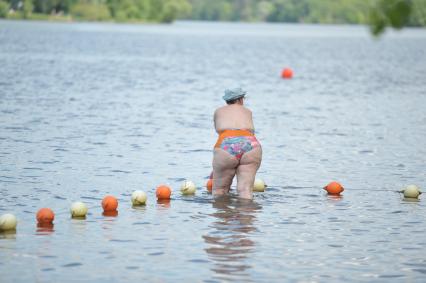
x,y
93,109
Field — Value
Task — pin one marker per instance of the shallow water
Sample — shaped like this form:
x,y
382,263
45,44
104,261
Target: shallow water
x,y
88,110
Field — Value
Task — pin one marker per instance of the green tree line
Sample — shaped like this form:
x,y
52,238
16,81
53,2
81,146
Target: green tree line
x,y
378,13
97,10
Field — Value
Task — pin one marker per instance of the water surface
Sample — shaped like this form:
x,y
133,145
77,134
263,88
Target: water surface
x,y
88,110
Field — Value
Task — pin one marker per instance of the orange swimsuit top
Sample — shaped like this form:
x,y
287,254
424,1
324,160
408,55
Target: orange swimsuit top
x,y
232,133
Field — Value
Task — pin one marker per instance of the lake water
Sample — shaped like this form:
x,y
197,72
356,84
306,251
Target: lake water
x,y
88,110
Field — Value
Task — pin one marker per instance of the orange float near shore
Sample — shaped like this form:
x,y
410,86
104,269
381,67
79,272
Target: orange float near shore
x,y
109,204
45,216
334,188
163,192
209,185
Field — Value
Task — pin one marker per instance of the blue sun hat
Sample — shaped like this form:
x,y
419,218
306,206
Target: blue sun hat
x,y
234,93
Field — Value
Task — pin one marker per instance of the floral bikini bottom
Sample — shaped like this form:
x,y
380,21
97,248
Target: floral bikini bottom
x,y
237,142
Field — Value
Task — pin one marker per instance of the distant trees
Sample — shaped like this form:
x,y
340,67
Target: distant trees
x,y
89,10
53,6
4,9
27,8
379,14
397,14
307,11
100,10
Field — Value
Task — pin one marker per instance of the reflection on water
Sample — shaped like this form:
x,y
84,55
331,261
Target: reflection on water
x,y
415,200
10,234
334,198
228,241
163,203
45,228
110,213
79,226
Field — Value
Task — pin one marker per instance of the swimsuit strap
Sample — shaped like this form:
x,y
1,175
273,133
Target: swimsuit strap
x,y
237,129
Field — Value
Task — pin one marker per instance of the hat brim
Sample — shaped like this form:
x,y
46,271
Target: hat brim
x,y
233,97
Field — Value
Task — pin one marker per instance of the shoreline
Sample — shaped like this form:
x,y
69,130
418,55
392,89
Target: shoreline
x,y
70,19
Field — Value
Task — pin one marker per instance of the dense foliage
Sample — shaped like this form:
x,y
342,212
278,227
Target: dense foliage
x,y
378,13
97,10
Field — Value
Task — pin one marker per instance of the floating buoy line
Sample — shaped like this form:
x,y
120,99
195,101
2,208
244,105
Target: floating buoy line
x,y
45,216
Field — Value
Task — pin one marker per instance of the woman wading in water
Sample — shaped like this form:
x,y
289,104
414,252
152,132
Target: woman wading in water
x,y
237,151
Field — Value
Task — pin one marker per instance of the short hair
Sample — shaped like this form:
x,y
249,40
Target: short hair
x,y
233,101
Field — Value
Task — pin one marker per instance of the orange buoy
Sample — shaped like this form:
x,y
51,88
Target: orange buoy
x,y
109,203
334,188
287,73
163,192
45,216
209,185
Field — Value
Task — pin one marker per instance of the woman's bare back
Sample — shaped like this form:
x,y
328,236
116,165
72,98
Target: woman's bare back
x,y
233,116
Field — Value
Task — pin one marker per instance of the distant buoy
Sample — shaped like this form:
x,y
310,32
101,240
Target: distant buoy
x,y
209,185
139,198
163,192
109,204
287,73
334,188
8,222
188,188
259,185
78,209
45,216
411,191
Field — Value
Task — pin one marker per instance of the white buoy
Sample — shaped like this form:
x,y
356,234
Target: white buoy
x,y
138,198
78,209
259,185
8,222
411,191
188,188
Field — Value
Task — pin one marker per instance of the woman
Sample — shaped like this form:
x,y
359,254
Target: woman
x,y
237,151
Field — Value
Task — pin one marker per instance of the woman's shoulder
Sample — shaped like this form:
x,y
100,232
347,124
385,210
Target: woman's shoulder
x,y
219,110
247,110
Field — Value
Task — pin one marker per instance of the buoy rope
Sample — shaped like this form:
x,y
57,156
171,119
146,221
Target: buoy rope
x,y
346,189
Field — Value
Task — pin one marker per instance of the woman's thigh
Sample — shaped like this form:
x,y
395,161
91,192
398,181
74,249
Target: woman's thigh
x,y
246,171
224,166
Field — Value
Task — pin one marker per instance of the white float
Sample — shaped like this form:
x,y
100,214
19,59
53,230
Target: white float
x,y
8,222
259,185
188,188
411,191
78,209
139,198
